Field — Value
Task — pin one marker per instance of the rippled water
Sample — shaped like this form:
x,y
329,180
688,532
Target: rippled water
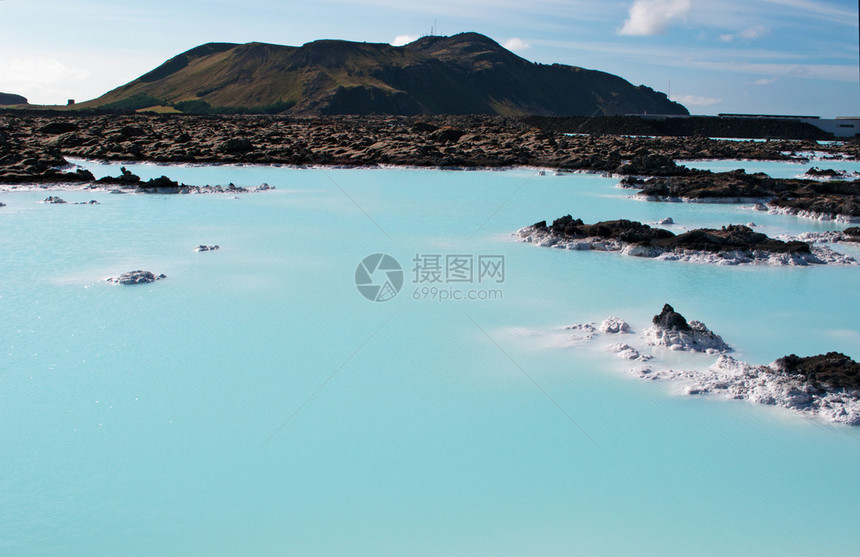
x,y
255,403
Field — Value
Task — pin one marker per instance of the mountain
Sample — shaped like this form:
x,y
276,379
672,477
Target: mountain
x,y
461,74
8,99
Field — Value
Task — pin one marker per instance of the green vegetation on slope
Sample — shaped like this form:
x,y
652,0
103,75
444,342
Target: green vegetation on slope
x,y
462,74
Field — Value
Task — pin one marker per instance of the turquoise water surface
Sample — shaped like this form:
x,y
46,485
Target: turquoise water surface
x,y
254,403
774,169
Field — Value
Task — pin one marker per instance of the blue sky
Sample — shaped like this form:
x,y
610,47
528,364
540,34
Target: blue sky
x,y
760,56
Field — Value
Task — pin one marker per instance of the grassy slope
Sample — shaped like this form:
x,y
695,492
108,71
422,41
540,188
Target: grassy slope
x,y
466,73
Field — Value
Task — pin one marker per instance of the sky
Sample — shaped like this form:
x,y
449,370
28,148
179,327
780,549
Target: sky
x,y
713,56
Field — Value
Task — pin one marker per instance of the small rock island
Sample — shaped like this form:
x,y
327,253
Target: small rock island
x,y
136,277
731,245
670,329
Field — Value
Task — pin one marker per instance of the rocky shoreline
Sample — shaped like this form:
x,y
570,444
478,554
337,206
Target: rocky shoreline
x,y
825,385
33,145
731,245
776,384
832,199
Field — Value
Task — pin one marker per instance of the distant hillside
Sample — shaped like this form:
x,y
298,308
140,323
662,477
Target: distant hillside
x,y
8,99
462,74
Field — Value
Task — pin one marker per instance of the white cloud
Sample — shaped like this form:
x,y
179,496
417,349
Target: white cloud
x,y
652,17
766,80
748,34
401,40
39,79
754,32
694,100
51,77
774,63
832,72
516,44
822,10
40,71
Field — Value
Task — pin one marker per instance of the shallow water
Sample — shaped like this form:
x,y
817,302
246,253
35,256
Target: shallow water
x,y
774,169
255,403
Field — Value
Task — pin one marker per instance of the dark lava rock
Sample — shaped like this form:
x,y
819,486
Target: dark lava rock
x,y
735,237
136,277
846,205
126,177
833,197
420,140
647,164
731,238
424,127
833,369
447,134
2,204
734,184
85,175
670,320
129,132
828,172
236,145
54,200
632,182
853,233
203,247
623,229
160,183
55,128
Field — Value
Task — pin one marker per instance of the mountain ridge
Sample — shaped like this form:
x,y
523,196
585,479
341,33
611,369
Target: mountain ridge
x,y
467,73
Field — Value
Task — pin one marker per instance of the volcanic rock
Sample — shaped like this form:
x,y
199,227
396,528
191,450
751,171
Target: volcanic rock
x,y
670,329
136,277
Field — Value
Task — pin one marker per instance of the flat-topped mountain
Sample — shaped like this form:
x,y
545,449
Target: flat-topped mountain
x,y
461,74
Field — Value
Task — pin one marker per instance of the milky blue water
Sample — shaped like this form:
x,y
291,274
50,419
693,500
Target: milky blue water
x,y
772,168
255,403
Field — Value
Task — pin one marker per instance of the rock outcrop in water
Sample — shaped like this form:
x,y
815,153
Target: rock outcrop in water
x,y
203,247
852,234
136,277
812,198
825,386
645,163
790,382
833,370
614,326
127,181
816,173
670,329
730,245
